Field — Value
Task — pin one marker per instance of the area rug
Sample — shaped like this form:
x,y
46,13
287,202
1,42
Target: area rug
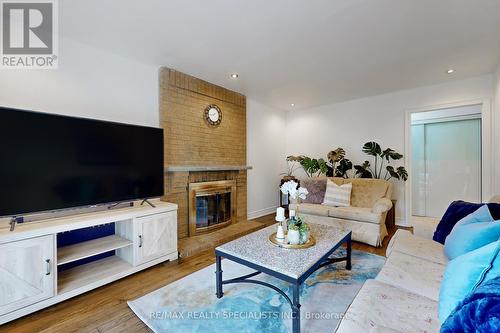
x,y
190,304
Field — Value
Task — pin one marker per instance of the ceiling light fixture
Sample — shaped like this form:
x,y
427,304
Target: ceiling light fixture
x,y
234,76
450,71
292,105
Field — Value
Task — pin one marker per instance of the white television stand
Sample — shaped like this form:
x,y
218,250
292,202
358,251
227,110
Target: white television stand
x,y
29,256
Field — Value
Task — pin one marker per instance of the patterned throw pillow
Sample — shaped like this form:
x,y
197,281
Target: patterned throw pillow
x,y
338,196
316,188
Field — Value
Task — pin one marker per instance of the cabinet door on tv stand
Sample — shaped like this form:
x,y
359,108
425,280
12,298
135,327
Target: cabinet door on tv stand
x,y
157,236
26,273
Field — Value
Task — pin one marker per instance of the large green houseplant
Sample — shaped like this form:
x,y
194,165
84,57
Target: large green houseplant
x,y
312,167
380,157
338,165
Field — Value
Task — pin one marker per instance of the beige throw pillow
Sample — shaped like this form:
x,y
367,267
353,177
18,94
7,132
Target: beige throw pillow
x,y
338,196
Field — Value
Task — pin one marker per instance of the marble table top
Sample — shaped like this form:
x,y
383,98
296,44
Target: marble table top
x,y
257,249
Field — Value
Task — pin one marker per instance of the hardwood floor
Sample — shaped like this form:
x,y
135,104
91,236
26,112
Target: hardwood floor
x,y
105,309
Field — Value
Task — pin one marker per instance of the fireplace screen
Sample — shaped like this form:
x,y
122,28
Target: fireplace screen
x,y
213,209
211,205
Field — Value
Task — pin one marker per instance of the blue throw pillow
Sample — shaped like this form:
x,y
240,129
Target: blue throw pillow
x,y
478,312
465,273
457,211
472,232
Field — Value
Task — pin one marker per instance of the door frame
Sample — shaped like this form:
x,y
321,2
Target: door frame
x,y
487,166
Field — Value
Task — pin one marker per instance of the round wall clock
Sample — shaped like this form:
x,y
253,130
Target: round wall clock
x,y
213,115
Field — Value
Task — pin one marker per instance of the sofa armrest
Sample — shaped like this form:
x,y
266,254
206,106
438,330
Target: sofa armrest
x,y
424,227
382,205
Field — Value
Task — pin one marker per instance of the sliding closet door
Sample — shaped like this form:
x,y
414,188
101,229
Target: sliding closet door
x,y
418,171
453,161
446,165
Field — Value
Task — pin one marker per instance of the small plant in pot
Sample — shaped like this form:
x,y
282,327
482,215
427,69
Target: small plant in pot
x,y
293,234
298,231
304,232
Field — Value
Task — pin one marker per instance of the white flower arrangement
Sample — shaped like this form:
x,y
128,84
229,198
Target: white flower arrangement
x,y
290,188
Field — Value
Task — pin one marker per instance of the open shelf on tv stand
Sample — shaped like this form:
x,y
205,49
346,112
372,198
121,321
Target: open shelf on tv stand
x,y
130,249
71,253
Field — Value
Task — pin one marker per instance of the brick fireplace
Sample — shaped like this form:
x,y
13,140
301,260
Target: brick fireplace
x,y
203,159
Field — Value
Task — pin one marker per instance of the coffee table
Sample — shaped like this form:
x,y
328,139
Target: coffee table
x,y
291,265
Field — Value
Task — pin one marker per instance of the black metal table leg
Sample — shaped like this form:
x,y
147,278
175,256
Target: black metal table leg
x,y
296,308
218,276
349,251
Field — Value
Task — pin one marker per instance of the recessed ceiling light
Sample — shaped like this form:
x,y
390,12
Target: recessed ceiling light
x,y
292,105
234,76
450,71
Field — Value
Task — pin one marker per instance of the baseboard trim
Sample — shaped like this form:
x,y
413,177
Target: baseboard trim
x,y
402,222
261,212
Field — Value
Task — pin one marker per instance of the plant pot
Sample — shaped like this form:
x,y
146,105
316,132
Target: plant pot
x,y
294,237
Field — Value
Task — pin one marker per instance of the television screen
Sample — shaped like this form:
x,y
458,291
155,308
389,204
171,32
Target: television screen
x,y
50,162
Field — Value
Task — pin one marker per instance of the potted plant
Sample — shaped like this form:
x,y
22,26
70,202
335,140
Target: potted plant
x,y
312,167
304,232
338,165
293,164
298,231
365,170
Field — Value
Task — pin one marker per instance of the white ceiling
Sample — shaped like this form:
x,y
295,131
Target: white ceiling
x,y
307,52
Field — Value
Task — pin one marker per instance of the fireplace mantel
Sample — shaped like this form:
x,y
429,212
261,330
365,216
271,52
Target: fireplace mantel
x,y
202,168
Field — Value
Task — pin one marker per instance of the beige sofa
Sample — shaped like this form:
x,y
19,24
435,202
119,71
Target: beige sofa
x,y
404,295
370,202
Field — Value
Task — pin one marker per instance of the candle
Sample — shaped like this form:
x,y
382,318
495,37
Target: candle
x,y
292,213
280,214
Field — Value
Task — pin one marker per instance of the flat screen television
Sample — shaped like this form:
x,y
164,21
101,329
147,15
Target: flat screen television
x,y
52,162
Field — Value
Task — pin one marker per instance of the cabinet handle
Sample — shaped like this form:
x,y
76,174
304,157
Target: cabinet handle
x,y
49,267
140,240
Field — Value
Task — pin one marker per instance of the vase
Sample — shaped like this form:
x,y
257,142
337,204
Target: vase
x,y
294,237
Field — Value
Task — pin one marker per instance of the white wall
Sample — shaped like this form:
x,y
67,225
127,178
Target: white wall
x,y
496,131
88,83
380,118
96,84
266,153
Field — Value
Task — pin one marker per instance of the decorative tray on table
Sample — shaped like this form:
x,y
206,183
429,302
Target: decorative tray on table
x,y
285,244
